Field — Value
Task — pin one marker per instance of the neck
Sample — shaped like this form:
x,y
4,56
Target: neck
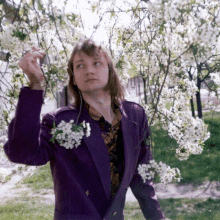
x,y
101,102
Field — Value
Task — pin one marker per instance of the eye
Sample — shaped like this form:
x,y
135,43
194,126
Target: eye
x,y
79,66
97,63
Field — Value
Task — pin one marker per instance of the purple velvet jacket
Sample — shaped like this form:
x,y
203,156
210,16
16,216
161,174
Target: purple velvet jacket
x,y
81,175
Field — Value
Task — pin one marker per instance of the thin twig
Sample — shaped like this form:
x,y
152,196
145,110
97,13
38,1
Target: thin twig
x,y
158,97
204,190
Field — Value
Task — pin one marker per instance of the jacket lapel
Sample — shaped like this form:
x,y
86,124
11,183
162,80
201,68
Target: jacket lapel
x,y
129,132
99,152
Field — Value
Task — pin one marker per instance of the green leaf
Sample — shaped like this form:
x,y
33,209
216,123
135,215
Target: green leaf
x,y
93,8
54,124
52,140
112,14
40,6
19,35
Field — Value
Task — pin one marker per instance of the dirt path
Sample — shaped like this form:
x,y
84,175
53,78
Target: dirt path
x,y
183,191
11,190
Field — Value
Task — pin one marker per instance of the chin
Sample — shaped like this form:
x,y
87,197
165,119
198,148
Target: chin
x,y
92,89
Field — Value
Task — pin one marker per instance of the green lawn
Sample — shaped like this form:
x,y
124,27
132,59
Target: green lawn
x,y
42,179
180,209
26,208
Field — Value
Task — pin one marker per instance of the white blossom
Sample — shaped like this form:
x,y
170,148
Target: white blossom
x,y
69,135
166,174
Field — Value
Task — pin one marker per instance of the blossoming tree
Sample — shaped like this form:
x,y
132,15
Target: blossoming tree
x,y
163,40
175,46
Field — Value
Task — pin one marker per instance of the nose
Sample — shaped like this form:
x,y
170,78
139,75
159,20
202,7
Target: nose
x,y
90,69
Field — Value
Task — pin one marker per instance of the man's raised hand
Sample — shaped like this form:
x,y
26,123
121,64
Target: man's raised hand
x,y
30,66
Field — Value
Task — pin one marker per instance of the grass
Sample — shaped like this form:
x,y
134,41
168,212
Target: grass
x,y
41,179
26,208
210,114
8,178
191,209
132,211
179,209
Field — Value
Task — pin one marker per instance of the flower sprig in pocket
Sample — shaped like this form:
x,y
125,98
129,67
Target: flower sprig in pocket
x,y
68,134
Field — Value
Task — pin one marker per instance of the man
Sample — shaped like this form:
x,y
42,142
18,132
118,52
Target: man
x,y
91,181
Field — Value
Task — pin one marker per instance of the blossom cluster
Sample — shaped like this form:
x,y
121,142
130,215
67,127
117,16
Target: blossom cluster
x,y
166,174
216,78
190,133
68,134
3,140
190,137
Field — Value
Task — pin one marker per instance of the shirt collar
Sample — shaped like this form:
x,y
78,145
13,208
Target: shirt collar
x,y
96,115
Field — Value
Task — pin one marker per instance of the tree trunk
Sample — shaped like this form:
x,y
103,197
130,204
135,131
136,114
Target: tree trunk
x,y
192,107
198,98
63,97
191,100
145,90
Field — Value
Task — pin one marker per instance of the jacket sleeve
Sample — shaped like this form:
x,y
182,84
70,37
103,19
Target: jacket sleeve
x,y
28,139
144,192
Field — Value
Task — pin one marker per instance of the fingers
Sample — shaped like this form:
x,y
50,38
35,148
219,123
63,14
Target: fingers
x,y
38,54
35,53
36,50
30,59
33,49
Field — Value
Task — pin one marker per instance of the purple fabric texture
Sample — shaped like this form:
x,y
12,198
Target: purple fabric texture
x,y
81,176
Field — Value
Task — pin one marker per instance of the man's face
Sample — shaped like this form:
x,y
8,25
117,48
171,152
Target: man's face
x,y
91,73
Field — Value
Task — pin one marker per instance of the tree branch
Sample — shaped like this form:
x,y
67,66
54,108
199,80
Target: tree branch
x,y
166,74
11,11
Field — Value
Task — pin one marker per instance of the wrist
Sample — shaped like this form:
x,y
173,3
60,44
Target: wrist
x,y
37,85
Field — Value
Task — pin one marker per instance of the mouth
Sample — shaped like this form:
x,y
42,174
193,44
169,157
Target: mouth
x,y
88,80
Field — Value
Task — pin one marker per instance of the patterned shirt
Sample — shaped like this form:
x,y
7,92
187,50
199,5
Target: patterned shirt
x,y
112,136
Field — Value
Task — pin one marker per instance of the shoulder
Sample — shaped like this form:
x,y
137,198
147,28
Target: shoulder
x,y
132,107
64,110
133,110
63,113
